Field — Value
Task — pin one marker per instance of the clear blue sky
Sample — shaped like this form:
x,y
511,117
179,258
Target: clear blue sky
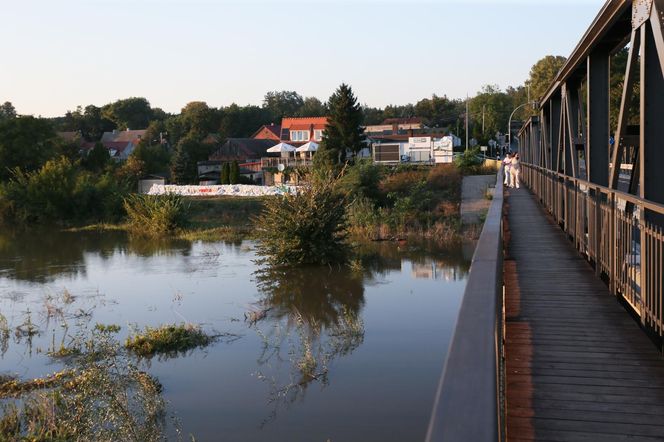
x,y
60,54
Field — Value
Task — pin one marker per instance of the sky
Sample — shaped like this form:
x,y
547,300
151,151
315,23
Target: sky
x,y
57,55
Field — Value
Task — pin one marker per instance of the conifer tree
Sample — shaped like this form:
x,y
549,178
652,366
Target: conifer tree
x,y
234,173
224,177
344,128
180,166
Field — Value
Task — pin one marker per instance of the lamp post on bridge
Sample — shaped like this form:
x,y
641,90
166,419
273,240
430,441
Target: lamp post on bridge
x,y
509,124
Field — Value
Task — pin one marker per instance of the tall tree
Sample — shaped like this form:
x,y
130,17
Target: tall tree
x,y
312,107
97,158
542,74
489,110
283,103
27,143
7,111
199,119
437,111
184,165
129,113
344,129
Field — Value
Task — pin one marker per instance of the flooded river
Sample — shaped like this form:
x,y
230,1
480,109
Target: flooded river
x,y
374,338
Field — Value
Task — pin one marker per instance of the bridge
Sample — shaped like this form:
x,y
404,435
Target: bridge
x,y
560,332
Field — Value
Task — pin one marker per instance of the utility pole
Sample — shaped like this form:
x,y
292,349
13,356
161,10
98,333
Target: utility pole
x,y
467,122
483,106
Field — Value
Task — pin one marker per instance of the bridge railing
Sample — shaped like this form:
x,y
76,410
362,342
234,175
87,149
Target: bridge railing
x,y
467,405
615,232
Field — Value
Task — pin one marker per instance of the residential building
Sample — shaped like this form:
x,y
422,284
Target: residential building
x,y
299,130
242,149
268,132
396,126
120,144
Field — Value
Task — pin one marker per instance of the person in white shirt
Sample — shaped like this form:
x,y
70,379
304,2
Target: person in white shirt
x,y
515,170
507,162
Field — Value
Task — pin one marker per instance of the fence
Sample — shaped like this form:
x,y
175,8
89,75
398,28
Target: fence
x,y
615,231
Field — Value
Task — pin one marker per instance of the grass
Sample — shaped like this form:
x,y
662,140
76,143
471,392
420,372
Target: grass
x,y
99,227
212,212
209,219
167,339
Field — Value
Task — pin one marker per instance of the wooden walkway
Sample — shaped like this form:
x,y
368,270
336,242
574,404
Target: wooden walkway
x,y
578,367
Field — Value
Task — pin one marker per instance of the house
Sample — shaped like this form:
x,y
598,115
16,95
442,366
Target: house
x,y
268,132
242,149
246,151
299,130
394,149
396,126
212,139
120,144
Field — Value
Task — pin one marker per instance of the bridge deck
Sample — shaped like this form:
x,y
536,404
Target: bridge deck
x,y
578,367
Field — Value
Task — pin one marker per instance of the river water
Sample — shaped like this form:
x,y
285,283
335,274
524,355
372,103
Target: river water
x,y
377,335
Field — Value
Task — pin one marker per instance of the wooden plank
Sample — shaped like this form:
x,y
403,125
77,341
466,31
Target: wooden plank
x,y
578,367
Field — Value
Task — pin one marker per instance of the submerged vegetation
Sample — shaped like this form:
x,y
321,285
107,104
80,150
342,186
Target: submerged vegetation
x,y
307,227
152,215
103,396
168,340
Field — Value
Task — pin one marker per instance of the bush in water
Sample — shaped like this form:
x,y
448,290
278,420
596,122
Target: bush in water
x,y
154,215
308,227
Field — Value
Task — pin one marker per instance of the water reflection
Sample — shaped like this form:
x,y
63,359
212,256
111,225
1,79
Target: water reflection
x,y
41,256
311,334
306,318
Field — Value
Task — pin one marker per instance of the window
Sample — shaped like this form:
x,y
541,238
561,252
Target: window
x,y
318,134
299,135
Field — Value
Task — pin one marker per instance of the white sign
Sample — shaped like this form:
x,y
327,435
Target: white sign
x,y
419,143
445,144
483,148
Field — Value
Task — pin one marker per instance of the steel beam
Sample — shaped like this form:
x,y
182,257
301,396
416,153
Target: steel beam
x,y
652,128
628,87
556,108
597,143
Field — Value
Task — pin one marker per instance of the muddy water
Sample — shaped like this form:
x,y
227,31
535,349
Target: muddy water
x,y
373,340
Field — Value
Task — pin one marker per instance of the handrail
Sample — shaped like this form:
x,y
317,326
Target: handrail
x,y
646,204
467,402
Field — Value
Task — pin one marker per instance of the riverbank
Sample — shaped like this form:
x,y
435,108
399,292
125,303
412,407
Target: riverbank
x,y
221,218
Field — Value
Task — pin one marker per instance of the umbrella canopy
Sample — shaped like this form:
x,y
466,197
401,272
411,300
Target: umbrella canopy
x,y
308,147
281,148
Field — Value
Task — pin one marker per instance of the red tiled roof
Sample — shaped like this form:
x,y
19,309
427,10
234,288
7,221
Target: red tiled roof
x,y
306,126
130,136
304,123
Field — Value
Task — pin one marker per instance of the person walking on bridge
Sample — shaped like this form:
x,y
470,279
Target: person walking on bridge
x,y
515,170
507,161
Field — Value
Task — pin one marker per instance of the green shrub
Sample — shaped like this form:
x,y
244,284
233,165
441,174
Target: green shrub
x,y
308,227
402,183
153,215
362,214
468,159
62,192
362,180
